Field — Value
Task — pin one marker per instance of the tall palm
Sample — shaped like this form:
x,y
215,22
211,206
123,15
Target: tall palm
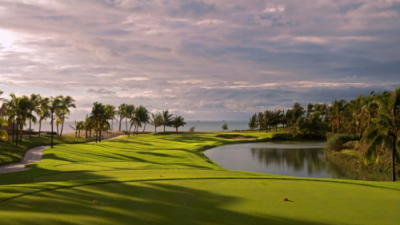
x,y
42,112
18,111
98,115
384,132
156,121
80,126
310,109
339,107
35,104
67,103
177,122
253,122
110,114
88,125
166,118
129,113
140,117
54,104
260,121
121,113
297,111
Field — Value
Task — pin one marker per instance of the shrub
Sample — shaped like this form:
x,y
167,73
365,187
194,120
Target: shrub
x,y
282,136
336,142
3,135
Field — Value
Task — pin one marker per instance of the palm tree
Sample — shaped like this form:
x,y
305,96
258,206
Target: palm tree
x,y
121,113
98,115
253,122
310,109
42,112
156,121
128,114
75,128
384,132
18,111
54,104
67,103
80,126
166,118
224,127
35,104
260,121
297,111
110,114
338,108
88,125
178,121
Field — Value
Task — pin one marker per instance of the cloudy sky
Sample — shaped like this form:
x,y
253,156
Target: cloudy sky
x,y
203,59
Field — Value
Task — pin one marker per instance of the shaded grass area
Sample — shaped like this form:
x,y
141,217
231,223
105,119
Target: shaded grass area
x,y
166,179
208,201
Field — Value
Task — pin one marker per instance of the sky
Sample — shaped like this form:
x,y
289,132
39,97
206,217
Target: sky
x,y
202,59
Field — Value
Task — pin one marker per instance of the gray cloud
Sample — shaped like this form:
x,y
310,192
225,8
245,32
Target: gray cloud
x,y
213,57
101,91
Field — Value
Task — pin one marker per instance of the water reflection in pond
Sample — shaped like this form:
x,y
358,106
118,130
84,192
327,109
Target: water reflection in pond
x,y
300,159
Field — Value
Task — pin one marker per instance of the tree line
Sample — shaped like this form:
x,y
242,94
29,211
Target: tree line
x,y
18,113
375,119
102,116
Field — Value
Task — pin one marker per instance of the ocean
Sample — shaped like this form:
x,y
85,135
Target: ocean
x,y
203,126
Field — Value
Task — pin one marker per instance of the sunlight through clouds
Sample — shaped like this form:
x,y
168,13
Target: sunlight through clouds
x,y
201,56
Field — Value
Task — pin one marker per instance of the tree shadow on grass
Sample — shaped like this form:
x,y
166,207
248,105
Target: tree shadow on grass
x,y
155,203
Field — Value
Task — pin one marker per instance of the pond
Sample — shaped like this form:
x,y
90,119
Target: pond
x,y
299,159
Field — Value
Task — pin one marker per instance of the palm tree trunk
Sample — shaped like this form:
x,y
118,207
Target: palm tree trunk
x,y
52,123
86,133
21,131
30,129
57,130
40,127
100,132
144,127
176,129
126,123
16,138
164,128
13,129
394,159
120,123
62,126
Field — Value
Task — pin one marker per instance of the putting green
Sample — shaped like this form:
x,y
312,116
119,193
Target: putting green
x,y
165,179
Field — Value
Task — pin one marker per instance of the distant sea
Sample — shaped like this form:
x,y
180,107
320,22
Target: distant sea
x,y
202,126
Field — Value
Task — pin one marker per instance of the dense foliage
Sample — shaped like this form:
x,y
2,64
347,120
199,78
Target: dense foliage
x,y
374,120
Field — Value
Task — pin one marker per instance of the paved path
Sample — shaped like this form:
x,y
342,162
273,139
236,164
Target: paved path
x,y
32,155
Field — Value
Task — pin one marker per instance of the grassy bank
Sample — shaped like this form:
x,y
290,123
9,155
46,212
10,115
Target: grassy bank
x,y
165,179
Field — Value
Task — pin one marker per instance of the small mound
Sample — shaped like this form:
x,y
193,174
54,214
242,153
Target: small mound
x,y
285,199
236,137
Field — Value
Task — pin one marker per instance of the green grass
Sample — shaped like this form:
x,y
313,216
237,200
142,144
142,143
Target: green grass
x,y
166,179
10,153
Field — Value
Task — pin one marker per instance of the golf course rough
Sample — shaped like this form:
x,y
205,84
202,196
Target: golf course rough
x,y
165,179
